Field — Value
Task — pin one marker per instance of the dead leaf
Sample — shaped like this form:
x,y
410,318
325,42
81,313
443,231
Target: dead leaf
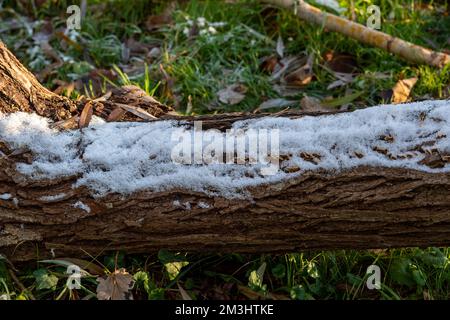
x,y
280,47
402,90
286,65
303,75
116,114
342,80
232,94
433,160
341,62
64,87
155,22
312,104
141,113
116,286
268,64
276,103
86,115
137,103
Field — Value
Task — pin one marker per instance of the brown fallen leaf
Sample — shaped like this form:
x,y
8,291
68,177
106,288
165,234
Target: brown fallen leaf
x,y
268,64
402,90
116,114
71,123
64,87
155,22
433,160
276,103
341,62
141,113
232,94
86,115
89,266
342,80
303,75
135,101
116,286
313,104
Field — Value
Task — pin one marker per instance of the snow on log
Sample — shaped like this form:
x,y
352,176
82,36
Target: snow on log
x,y
377,177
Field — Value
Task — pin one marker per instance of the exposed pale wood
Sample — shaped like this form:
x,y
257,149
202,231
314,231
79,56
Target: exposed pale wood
x,y
408,51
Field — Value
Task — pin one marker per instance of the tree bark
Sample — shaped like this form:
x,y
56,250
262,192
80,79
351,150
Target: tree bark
x,y
358,209
21,91
365,207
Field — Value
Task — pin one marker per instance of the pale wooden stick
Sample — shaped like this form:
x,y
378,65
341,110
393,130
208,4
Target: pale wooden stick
x,y
408,51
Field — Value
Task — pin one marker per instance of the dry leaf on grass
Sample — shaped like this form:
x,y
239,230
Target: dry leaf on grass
x,y
139,112
290,74
342,66
341,62
342,80
232,94
64,87
301,76
116,114
276,103
313,104
116,286
155,22
268,64
402,90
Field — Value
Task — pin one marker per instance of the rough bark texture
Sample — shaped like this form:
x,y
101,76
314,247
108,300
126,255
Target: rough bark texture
x,y
20,91
359,208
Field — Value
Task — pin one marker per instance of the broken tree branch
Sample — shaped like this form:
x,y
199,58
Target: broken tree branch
x,y
408,51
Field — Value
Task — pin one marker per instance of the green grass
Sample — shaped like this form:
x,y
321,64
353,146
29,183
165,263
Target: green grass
x,y
405,273
200,66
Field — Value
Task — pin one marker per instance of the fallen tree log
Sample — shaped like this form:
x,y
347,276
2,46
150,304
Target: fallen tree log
x,y
373,178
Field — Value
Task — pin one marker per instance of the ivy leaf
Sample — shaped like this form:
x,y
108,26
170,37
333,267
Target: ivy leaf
x,y
172,262
44,280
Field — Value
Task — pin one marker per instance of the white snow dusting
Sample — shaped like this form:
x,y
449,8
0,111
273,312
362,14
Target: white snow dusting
x,y
82,206
128,157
